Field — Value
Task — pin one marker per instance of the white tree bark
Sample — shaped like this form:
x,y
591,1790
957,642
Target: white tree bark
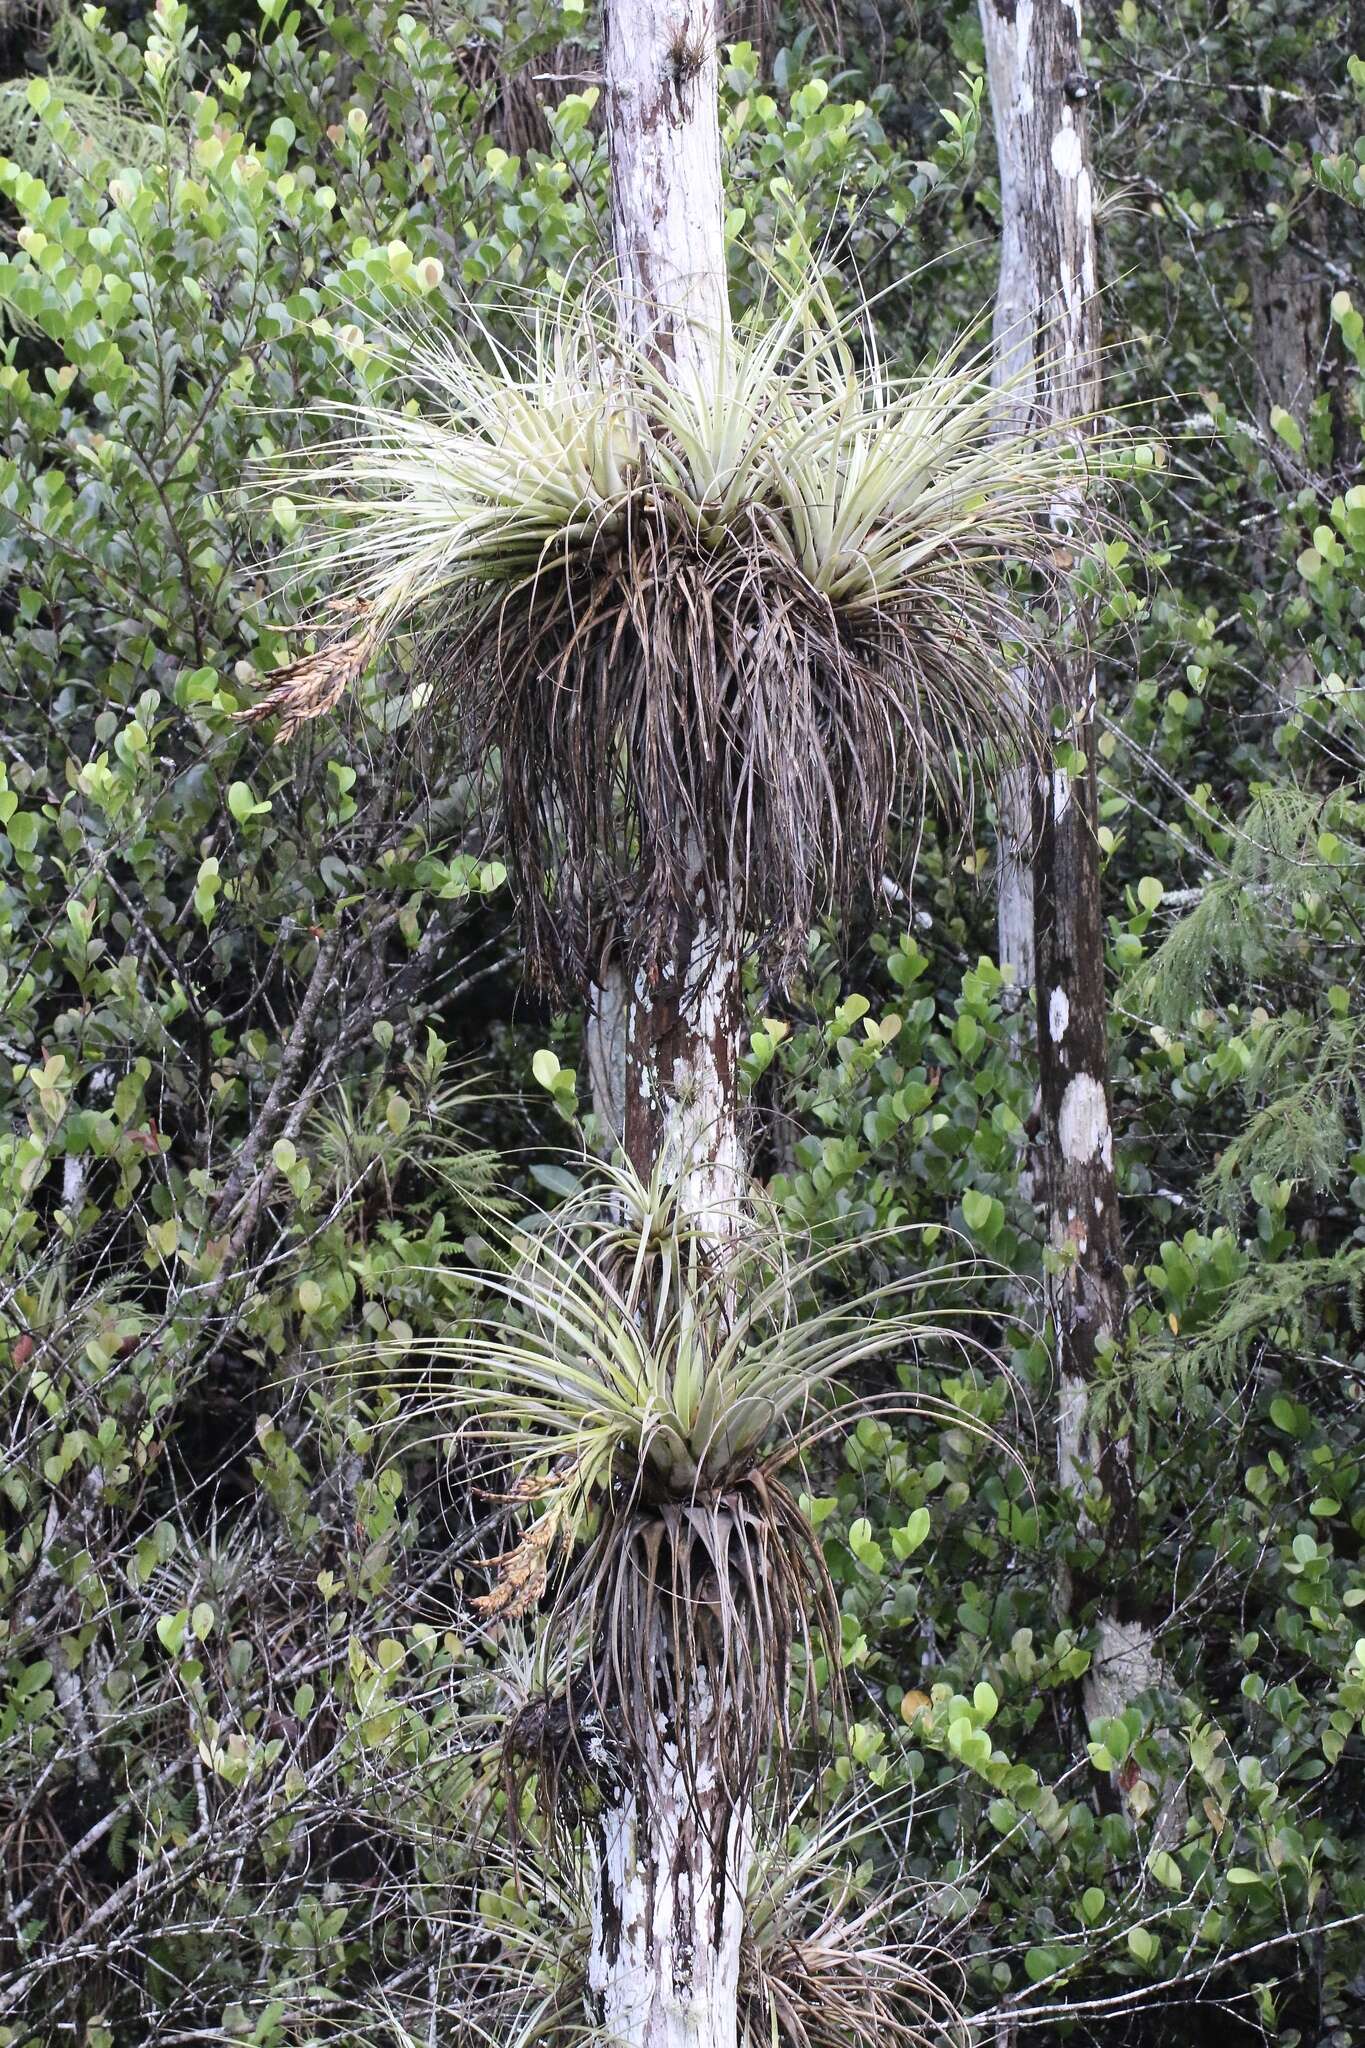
x,y
672,1847
681,1025
682,1072
663,131
604,1047
668,1909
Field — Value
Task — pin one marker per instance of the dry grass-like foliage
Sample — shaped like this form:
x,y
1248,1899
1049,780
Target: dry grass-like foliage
x,y
712,632
828,1962
838,1950
834,1984
650,1393
316,683
693,1611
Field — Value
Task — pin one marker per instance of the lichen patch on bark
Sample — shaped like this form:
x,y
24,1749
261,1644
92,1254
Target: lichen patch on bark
x,y
1083,1122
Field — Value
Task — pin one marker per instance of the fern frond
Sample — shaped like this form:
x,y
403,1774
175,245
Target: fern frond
x,y
1312,1072
1278,1303
61,127
1290,842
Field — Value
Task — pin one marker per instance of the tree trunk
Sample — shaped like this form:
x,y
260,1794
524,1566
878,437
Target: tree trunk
x,y
604,1053
663,133
681,1034
672,1849
1289,323
1289,301
682,1056
668,1908
1048,364
1289,330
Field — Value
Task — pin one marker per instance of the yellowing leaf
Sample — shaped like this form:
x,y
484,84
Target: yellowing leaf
x,y
545,1067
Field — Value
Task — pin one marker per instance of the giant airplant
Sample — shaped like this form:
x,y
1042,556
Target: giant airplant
x,y
652,1404
708,627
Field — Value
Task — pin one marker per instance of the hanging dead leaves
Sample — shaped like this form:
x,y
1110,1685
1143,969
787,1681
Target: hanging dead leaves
x,y
711,634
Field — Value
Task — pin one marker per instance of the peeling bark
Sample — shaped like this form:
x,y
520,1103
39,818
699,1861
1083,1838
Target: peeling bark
x,y
672,1844
682,1053
663,135
1014,882
668,1906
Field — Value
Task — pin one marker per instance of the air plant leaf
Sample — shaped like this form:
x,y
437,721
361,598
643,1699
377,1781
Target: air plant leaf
x,y
650,1394
748,613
